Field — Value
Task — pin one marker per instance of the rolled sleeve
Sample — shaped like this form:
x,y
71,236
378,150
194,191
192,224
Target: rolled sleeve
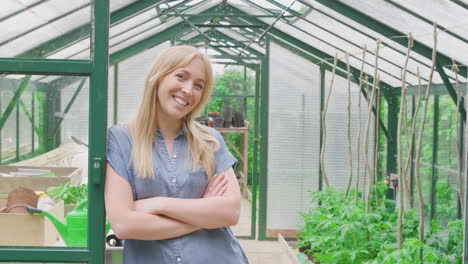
x,y
115,153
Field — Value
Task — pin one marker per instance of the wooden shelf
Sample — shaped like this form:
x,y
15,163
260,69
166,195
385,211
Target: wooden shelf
x,y
241,151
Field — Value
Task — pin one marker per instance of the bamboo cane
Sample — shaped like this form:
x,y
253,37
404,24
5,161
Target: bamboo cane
x,y
366,137
324,125
358,147
402,178
366,143
376,146
413,130
420,135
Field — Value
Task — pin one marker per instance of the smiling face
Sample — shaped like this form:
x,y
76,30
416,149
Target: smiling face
x,y
180,91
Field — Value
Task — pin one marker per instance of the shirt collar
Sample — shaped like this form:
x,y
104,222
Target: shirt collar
x,y
181,133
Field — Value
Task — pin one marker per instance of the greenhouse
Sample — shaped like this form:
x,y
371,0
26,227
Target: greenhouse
x,y
347,120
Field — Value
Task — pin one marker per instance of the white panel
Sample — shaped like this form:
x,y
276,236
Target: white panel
x,y
336,152
293,137
131,81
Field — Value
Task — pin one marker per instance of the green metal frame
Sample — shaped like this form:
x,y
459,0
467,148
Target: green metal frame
x,y
69,105
392,126
97,70
116,94
322,106
14,100
154,40
45,66
263,179
435,149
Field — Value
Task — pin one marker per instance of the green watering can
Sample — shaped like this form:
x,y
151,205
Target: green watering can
x,y
75,229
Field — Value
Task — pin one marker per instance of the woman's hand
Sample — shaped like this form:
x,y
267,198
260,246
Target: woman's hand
x,y
217,186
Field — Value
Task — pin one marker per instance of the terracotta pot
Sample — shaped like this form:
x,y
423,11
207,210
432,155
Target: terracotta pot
x,y
18,198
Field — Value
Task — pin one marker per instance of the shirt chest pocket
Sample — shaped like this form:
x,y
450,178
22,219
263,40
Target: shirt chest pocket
x,y
147,188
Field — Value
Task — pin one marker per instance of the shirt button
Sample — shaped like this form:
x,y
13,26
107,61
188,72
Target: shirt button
x,y
174,156
174,180
179,259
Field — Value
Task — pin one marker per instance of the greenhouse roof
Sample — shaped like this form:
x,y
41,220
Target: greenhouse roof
x,y
234,31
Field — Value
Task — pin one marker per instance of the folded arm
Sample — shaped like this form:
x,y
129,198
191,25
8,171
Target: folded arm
x,y
129,223
208,212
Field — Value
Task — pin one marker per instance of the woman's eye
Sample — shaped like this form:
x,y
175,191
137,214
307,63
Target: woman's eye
x,y
180,76
199,86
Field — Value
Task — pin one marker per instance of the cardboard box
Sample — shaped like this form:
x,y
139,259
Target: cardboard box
x,y
29,230
38,183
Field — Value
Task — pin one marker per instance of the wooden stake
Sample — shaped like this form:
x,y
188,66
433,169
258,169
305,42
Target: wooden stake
x,y
369,115
401,175
324,125
420,137
358,147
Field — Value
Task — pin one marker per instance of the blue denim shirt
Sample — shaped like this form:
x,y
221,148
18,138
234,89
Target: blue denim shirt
x,y
174,178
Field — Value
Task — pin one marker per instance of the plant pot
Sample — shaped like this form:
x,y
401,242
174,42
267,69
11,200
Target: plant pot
x,y
19,198
238,119
218,122
227,113
227,123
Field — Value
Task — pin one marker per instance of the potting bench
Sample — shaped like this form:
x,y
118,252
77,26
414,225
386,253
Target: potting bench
x,y
241,151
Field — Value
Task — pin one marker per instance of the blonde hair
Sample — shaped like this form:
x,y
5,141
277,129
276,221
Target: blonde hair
x,y
201,144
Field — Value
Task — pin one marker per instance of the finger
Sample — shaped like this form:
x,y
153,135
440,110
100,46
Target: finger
x,y
214,180
222,191
220,185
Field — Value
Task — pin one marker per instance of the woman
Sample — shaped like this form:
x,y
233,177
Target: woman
x,y
170,190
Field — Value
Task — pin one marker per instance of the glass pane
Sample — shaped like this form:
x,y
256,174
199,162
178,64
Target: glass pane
x,y
25,28
44,160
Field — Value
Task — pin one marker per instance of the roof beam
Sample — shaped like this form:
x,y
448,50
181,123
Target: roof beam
x,y
230,26
226,15
451,90
154,40
83,31
305,46
386,31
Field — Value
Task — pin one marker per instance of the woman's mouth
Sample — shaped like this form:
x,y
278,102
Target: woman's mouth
x,y
180,101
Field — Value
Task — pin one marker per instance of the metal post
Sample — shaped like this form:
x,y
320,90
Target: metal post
x,y
255,173
263,181
17,133
435,147
33,125
116,93
322,102
393,103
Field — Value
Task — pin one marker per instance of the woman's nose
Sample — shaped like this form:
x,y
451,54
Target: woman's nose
x,y
187,88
